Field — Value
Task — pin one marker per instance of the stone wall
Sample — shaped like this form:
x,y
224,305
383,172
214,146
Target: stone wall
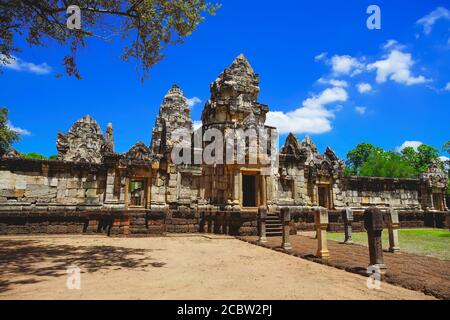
x,y
357,192
22,222
183,221
35,182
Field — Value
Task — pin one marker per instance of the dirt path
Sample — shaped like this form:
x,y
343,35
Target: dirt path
x,y
171,268
420,273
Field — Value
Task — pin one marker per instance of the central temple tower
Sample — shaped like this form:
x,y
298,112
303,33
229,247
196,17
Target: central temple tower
x,y
234,96
234,108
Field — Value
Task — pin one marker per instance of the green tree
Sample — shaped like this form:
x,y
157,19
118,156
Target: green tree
x,y
33,155
7,136
421,159
387,164
146,26
358,156
446,147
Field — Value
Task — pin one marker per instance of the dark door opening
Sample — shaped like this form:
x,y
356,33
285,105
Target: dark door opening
x,y
137,193
437,202
248,191
324,199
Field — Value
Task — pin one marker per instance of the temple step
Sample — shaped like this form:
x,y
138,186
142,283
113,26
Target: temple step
x,y
274,227
274,233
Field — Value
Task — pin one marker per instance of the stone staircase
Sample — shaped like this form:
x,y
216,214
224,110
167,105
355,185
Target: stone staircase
x,y
273,226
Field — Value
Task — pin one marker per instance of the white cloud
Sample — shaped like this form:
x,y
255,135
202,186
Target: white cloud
x,y
393,44
364,87
396,67
361,110
346,65
197,124
193,101
312,116
23,132
20,65
413,144
430,19
334,82
444,158
447,87
321,56
390,43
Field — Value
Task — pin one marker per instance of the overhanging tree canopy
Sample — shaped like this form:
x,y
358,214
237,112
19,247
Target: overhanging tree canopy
x,y
147,26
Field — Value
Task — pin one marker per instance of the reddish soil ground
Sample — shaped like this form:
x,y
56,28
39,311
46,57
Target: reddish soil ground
x,y
426,274
196,267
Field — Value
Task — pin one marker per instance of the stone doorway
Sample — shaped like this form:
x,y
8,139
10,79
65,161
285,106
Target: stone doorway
x,y
438,202
137,193
248,190
324,196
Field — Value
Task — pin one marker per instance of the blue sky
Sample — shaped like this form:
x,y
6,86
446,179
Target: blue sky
x,y
322,71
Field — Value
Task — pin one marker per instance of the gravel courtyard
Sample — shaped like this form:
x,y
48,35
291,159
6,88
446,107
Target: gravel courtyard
x,y
185,267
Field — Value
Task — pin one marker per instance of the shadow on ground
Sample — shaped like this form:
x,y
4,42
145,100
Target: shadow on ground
x,y
31,260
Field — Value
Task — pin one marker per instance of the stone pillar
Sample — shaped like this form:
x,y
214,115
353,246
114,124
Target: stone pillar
x,y
227,222
431,199
208,218
213,218
123,190
222,223
202,189
347,216
321,222
110,180
262,216
286,218
148,192
448,220
236,188
263,191
393,225
373,223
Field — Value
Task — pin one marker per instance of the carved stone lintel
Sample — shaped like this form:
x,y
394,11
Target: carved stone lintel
x,y
83,143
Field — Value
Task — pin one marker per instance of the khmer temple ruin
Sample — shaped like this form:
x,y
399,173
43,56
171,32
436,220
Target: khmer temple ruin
x,y
92,188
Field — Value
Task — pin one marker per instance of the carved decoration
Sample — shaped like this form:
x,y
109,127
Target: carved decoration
x,y
234,95
83,143
174,115
108,147
435,177
292,147
11,154
139,152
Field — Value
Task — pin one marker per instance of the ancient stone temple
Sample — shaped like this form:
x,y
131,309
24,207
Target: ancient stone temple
x,y
216,188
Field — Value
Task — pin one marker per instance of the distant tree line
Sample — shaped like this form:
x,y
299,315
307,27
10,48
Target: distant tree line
x,y
372,161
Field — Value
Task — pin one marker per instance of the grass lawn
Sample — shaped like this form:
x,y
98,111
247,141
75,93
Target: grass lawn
x,y
426,242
